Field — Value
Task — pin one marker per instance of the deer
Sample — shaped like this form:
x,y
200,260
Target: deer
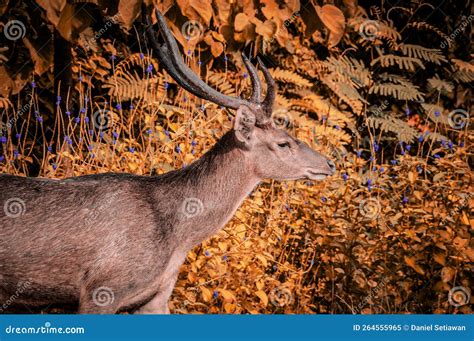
x,y
114,242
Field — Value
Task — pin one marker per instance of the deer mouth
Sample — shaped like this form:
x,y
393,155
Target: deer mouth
x,y
316,175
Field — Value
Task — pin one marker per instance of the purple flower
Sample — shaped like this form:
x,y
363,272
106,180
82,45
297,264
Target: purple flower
x,y
420,138
2,158
86,119
39,118
461,144
324,199
178,149
131,107
90,147
245,75
450,145
15,153
55,166
77,119
50,149
419,169
91,132
404,200
83,110
185,99
324,118
407,111
68,113
167,133
224,257
359,153
3,139
131,149
193,151
207,253
194,143
381,170
376,147
113,57
166,85
402,152
345,177
18,136
67,139
393,162
101,135
115,134
202,108
437,113
118,106
436,156
369,182
443,143
225,58
408,147
149,131
33,84
149,69
142,56
337,127
199,63
215,294
81,79
189,52
372,158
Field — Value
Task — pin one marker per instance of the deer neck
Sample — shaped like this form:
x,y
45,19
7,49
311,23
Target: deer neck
x,y
211,190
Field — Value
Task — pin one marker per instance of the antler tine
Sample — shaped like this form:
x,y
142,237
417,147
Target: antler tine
x,y
269,100
186,78
256,85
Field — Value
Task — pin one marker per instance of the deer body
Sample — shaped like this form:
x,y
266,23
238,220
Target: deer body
x,y
115,242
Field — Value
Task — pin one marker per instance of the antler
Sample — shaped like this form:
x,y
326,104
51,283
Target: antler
x,y
169,55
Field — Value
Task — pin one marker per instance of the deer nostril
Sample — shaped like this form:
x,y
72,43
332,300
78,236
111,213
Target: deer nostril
x,y
331,165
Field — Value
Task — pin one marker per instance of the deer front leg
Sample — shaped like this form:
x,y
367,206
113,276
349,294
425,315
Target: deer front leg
x,y
159,303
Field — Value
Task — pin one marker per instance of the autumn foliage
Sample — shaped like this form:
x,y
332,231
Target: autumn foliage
x,y
384,91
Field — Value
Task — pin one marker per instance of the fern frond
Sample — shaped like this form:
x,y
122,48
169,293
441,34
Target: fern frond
x,y
464,71
5,103
134,60
290,77
425,26
435,113
219,81
129,86
346,93
440,85
420,52
349,70
404,132
403,63
335,137
397,91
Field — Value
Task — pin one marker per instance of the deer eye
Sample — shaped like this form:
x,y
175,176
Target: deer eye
x,y
285,144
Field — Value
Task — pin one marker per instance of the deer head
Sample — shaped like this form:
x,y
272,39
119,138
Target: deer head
x,y
271,151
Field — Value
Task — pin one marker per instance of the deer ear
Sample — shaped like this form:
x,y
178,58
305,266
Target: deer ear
x,y
244,124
